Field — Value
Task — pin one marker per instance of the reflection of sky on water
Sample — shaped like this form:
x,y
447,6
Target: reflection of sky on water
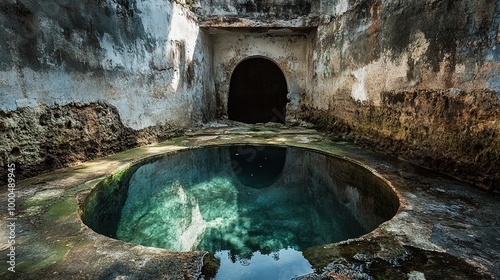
x,y
247,203
257,207
284,264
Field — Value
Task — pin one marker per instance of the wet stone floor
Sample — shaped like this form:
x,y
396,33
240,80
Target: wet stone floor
x,y
444,229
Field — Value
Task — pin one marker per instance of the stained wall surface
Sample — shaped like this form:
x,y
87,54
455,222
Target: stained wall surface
x,y
264,10
289,52
147,58
417,79
82,79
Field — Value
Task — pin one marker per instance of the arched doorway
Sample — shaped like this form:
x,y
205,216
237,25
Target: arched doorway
x,y
257,92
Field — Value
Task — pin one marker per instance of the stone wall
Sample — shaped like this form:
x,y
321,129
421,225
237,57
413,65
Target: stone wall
x,y
44,138
417,78
129,65
288,51
264,10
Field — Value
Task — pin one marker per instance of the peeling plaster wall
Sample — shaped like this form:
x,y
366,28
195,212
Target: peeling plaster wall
x,y
146,61
374,46
415,78
288,52
419,79
147,58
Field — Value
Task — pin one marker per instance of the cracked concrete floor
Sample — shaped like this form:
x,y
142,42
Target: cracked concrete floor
x,y
445,229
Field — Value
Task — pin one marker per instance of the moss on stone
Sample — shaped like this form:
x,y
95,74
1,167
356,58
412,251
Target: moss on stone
x,y
61,209
45,255
210,267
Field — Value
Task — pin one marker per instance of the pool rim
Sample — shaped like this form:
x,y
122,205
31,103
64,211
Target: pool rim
x,y
83,195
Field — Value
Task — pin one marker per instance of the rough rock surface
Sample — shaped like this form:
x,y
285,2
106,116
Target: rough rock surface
x,y
415,78
455,133
43,138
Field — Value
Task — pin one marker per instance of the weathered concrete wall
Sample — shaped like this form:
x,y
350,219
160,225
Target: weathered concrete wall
x,y
274,29
289,52
418,78
147,60
265,10
377,46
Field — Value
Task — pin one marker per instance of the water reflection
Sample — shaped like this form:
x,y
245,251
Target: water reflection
x,y
282,264
255,207
257,166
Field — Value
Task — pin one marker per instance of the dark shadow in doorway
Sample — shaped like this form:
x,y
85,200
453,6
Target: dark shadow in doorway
x,y
258,92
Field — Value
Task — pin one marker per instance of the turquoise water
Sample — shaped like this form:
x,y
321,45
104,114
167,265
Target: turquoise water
x,y
255,207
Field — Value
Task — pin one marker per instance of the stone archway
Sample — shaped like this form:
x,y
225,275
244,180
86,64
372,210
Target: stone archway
x,y
257,92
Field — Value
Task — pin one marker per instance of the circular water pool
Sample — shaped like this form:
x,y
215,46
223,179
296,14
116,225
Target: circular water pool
x,y
255,208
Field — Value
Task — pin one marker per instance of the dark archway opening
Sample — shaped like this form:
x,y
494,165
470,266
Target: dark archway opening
x,y
258,92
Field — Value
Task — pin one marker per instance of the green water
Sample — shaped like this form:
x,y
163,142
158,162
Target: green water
x,y
255,207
